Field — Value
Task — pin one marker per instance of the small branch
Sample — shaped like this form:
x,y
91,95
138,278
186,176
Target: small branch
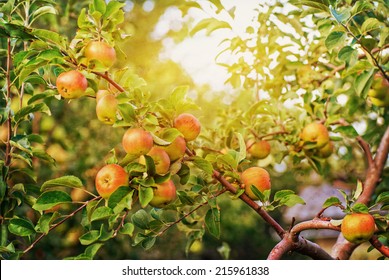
x,y
313,224
336,69
188,214
366,149
8,148
383,150
379,246
106,77
121,224
269,219
59,223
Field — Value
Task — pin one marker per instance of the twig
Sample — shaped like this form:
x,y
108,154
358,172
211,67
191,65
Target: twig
x,y
313,224
379,246
121,224
189,213
59,223
366,149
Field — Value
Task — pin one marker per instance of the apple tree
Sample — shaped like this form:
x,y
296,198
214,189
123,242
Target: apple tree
x,y
309,92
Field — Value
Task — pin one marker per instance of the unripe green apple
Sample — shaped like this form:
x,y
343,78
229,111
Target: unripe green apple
x,y
379,91
259,149
110,178
358,227
188,125
102,92
100,55
106,109
161,160
258,177
326,150
315,132
176,149
164,194
71,84
137,141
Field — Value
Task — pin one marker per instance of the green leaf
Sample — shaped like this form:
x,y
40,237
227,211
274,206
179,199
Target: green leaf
x,y
336,38
65,181
51,198
212,221
348,55
282,194
43,11
22,113
383,197
242,148
100,6
322,5
128,229
121,199
46,220
291,200
21,227
210,25
348,130
141,219
363,82
127,112
360,208
148,242
101,213
90,237
331,201
358,190
257,193
146,194
50,37
112,8
371,24
203,164
340,16
184,174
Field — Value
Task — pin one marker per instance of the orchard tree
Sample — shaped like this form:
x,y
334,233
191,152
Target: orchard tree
x,y
310,92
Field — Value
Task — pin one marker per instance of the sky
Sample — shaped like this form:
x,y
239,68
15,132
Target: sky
x,y
197,54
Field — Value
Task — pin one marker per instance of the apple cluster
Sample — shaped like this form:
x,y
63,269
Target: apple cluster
x,y
138,143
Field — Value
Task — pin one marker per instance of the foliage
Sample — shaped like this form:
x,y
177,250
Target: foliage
x,y
297,63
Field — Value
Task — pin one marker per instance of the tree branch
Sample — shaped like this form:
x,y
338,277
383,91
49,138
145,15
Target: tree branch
x,y
379,246
59,223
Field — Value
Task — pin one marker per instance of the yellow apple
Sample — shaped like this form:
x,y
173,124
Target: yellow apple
x,y
258,177
358,227
176,149
315,132
258,149
106,109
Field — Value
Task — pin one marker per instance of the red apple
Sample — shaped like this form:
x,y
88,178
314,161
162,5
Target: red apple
x,y
71,84
188,125
259,149
137,141
110,178
100,55
176,149
161,160
358,227
258,177
164,194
